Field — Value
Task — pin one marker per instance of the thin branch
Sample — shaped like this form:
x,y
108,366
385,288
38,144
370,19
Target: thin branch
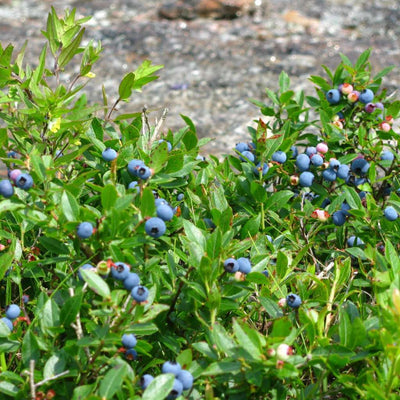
x,y
32,379
158,127
52,378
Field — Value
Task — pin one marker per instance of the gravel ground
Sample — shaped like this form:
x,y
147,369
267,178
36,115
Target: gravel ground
x,y
213,67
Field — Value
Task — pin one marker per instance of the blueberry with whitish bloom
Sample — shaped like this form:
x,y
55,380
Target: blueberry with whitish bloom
x,y
311,150
306,179
128,340
244,265
120,271
338,218
329,175
171,367
345,207
144,172
293,300
131,354
303,162
131,281
145,380
6,188
89,267
133,166
165,212
317,160
343,171
366,96
333,96
390,213
241,147
279,157
109,154
140,293
231,265
264,169
295,151
134,185
354,241
180,196
24,181
8,322
160,201
247,156
186,379
176,390
84,230
387,155
155,227
360,166
13,311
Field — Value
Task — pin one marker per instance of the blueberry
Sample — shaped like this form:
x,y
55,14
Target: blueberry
x,y
128,340
186,379
325,202
306,179
120,271
303,162
155,227
8,322
266,273
14,174
84,230
244,265
180,197
24,181
241,147
390,213
333,96
360,166
311,150
293,300
171,367
135,186
145,380
317,160
133,166
25,298
295,151
131,354
231,265
144,172
84,266
387,155
140,293
370,108
279,157
329,175
165,212
176,390
366,96
343,171
339,218
247,156
264,169
334,164
354,241
109,154
345,208
6,188
131,281
12,311
209,223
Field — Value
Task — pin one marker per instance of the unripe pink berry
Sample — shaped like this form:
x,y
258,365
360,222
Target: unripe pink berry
x,y
322,148
282,302
14,174
346,88
321,215
389,119
385,126
284,351
353,96
338,124
294,180
370,108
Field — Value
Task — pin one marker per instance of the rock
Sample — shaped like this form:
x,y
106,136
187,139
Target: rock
x,y
217,9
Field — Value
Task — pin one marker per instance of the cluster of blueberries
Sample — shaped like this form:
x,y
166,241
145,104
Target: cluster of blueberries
x,y
183,379
121,272
12,312
20,179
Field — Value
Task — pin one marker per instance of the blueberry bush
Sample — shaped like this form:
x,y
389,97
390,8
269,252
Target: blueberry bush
x,y
132,267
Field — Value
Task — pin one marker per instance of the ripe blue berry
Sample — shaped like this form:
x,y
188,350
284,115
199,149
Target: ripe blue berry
x,y
390,213
293,300
131,281
241,147
140,293
84,266
317,160
186,379
6,188
176,390
109,154
311,150
354,241
333,96
338,218
159,202
306,179
295,151
329,175
360,166
334,164
366,96
266,273
84,230
180,197
343,171
145,380
303,162
165,212
247,156
171,367
279,157
231,265
133,166
244,265
8,322
155,227
128,340
209,223
387,155
345,207
24,181
12,311
144,172
120,271
131,354
169,145
135,186
264,169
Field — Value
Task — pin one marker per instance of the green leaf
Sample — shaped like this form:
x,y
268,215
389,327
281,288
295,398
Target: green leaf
x,y
7,258
244,340
71,50
10,205
50,315
345,328
30,348
251,227
96,283
38,73
70,309
147,204
8,388
112,381
69,206
53,245
109,196
7,346
222,368
54,366
125,87
194,234
159,387
284,82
